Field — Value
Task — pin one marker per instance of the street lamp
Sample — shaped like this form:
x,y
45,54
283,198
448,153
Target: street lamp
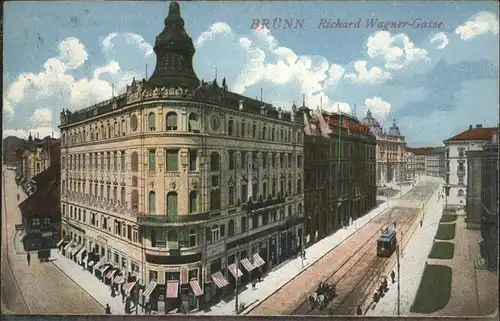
x,y
399,278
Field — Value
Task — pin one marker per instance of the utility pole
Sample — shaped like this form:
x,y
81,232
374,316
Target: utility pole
x,y
399,278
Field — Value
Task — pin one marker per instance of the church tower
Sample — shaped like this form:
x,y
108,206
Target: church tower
x,y
174,54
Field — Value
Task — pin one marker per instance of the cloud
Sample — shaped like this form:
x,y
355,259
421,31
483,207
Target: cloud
x,y
215,29
113,67
7,109
396,51
374,75
42,132
72,53
137,41
42,116
480,24
440,39
378,107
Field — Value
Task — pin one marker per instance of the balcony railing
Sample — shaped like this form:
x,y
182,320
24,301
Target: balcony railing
x,y
154,219
255,206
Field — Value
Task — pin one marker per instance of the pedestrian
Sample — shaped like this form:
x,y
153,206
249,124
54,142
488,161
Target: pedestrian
x,y
108,309
421,223
393,276
359,311
28,258
253,284
259,274
123,295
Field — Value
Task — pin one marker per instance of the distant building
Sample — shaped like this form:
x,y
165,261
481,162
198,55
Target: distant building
x,y
456,162
490,204
419,155
39,156
390,151
434,162
410,164
473,199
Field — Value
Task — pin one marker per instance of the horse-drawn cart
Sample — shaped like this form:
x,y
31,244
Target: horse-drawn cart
x,y
324,294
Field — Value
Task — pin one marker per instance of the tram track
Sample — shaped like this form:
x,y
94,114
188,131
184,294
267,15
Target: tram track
x,y
362,257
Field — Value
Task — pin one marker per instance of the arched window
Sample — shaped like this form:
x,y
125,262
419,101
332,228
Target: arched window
x,y
152,121
109,131
192,201
214,161
172,203
193,123
124,127
230,228
152,202
135,161
460,192
171,121
135,200
172,236
123,196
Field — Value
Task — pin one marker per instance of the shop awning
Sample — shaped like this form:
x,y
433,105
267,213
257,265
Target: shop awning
x,y
172,289
79,254
76,249
196,288
257,260
111,274
219,279
150,288
247,265
98,264
235,271
119,279
68,245
105,267
60,242
85,259
127,287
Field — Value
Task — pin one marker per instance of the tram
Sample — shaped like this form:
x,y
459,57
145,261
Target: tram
x,y
386,244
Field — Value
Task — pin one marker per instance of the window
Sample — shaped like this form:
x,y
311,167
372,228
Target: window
x,y
171,121
230,228
152,121
255,221
192,275
215,199
46,220
123,196
115,161
108,161
299,161
172,236
255,190
172,160
243,160
460,192
192,237
244,193
461,152
461,179
152,160
215,180
129,232
215,233
230,125
193,157
231,195
243,129
153,276
232,158
193,123
244,224
172,203
135,199
122,161
124,263
108,193
135,161
152,202
299,209
254,130
115,194
192,201
214,161
299,186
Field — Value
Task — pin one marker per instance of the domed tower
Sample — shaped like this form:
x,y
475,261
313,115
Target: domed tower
x,y
174,53
394,130
372,123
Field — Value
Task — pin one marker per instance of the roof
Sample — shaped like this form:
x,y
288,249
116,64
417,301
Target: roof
x,y
474,134
420,150
42,179
48,196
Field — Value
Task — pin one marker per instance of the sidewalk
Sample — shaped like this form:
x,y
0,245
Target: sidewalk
x,y
277,278
88,282
412,263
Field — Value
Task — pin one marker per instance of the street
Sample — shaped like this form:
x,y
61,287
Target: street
x,y
40,288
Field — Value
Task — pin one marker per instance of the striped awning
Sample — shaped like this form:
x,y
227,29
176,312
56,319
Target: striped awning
x,y
172,289
105,267
257,260
111,274
60,242
68,245
76,249
86,259
150,288
127,287
247,265
119,279
235,271
79,254
98,264
196,288
219,279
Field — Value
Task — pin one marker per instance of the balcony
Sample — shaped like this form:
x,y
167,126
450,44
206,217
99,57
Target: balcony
x,y
155,220
261,205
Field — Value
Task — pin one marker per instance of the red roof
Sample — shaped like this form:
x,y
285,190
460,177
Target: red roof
x,y
475,134
419,150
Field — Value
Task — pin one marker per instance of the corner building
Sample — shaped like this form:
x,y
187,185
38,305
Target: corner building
x,y
183,182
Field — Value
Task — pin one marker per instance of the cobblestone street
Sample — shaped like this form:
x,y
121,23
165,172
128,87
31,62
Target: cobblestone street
x,y
40,288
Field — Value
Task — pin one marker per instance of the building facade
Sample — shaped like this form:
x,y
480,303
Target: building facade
x,y
472,139
390,153
39,156
434,162
490,204
339,171
473,191
410,164
178,180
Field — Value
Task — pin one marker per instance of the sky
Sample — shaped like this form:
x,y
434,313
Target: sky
x,y
433,69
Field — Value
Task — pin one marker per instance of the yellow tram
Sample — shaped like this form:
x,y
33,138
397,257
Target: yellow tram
x,y
386,243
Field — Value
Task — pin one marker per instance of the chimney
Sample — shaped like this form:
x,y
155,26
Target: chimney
x,y
479,126
470,127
